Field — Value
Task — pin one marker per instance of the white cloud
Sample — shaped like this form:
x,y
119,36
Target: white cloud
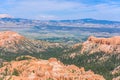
x,y
43,5
5,16
61,9
46,17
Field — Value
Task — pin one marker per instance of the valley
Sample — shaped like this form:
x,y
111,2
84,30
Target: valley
x,y
62,31
24,41
59,39
14,45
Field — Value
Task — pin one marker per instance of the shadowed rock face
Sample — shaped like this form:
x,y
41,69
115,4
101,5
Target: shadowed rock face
x,y
107,45
52,69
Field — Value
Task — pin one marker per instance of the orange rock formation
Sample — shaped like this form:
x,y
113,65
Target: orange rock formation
x,y
107,45
8,37
12,42
108,41
52,69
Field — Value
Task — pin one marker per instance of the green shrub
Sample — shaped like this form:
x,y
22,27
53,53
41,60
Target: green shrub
x,y
15,72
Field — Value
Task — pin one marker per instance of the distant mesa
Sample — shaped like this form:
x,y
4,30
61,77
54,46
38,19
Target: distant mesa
x,y
106,45
5,16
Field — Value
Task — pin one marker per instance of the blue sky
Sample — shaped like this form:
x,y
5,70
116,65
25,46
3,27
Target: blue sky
x,y
62,9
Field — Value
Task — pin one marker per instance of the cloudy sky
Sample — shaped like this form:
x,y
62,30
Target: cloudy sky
x,y
62,9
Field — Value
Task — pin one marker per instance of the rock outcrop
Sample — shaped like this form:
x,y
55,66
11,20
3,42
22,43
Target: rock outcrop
x,y
106,45
12,42
117,78
116,72
52,69
9,37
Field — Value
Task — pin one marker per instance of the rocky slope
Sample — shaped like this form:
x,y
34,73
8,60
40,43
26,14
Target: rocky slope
x,y
70,31
101,55
13,42
110,49
52,69
116,73
13,45
106,45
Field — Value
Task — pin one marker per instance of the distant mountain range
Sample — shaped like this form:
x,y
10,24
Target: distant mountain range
x,y
88,22
61,30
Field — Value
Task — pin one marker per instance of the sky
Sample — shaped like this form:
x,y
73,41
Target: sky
x,y
62,9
